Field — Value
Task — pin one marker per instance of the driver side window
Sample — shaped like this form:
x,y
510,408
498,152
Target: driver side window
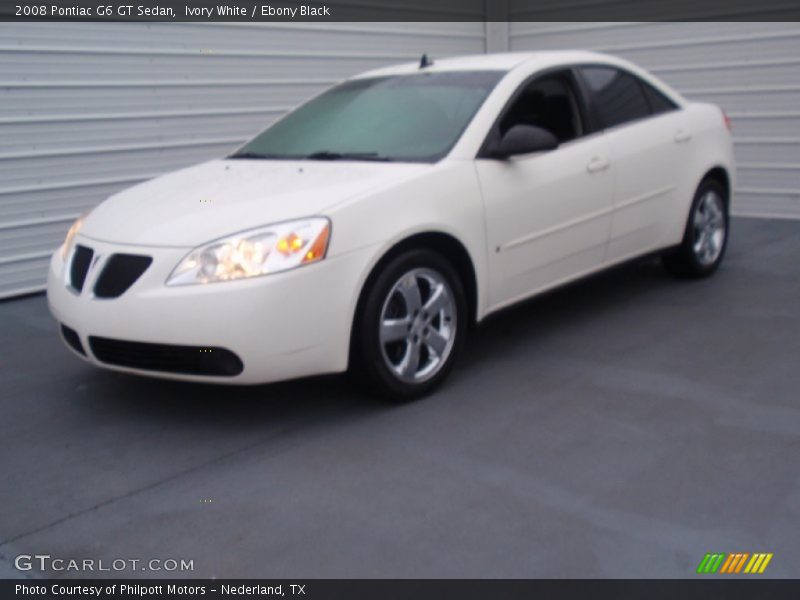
x,y
548,102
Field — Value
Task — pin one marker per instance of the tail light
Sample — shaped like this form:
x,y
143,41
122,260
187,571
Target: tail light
x,y
727,120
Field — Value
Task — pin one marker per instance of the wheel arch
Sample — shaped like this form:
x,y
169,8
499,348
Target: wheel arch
x,y
720,174
445,244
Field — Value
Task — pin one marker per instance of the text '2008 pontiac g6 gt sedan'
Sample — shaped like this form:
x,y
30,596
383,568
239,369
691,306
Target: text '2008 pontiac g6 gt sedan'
x,y
370,228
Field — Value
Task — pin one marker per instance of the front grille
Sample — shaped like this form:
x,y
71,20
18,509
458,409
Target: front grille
x,y
73,339
120,272
188,360
81,259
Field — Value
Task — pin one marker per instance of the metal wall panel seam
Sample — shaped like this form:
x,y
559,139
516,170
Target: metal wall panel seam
x,y
166,83
144,115
62,185
726,65
117,149
684,42
116,51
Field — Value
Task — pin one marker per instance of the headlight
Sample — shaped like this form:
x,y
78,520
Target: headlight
x,y
70,238
255,252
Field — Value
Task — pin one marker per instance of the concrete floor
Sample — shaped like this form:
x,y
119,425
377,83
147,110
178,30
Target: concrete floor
x,y
621,427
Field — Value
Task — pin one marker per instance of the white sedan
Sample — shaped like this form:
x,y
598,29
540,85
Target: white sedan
x,y
374,225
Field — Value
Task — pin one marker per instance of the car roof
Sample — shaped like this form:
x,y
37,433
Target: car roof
x,y
496,62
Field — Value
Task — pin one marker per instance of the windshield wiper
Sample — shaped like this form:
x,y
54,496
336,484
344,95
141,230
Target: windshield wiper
x,y
259,155
328,155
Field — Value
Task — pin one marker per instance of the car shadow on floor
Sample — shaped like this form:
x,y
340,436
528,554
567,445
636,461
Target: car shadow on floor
x,y
239,407
585,300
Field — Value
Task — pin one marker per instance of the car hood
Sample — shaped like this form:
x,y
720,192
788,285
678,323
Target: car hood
x,y
198,204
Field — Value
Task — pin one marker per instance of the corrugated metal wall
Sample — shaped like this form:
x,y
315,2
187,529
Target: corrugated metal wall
x,y
87,109
750,69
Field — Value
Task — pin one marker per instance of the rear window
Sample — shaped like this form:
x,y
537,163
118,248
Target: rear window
x,y
618,96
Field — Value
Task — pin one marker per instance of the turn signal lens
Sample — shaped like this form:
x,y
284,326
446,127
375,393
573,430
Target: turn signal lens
x,y
70,237
319,247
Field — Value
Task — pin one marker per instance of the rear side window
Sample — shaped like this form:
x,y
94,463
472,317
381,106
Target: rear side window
x,y
618,96
659,103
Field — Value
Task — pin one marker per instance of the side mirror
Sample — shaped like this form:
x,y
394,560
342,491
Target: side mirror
x,y
524,139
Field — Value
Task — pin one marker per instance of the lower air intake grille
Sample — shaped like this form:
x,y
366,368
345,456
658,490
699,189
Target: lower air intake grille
x,y
81,259
73,339
120,273
188,360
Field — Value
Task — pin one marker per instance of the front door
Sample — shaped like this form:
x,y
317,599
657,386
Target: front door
x,y
548,214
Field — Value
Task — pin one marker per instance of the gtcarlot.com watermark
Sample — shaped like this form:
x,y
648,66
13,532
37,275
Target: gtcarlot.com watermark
x,y
48,563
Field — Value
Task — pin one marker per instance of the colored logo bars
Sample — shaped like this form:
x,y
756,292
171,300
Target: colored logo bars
x,y
734,563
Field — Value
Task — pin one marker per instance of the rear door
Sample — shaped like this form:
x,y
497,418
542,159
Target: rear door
x,y
548,214
646,138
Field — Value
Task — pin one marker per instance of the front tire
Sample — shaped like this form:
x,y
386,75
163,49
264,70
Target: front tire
x,y
706,235
412,325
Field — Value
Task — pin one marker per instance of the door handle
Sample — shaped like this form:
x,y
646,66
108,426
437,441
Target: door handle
x,y
682,136
597,164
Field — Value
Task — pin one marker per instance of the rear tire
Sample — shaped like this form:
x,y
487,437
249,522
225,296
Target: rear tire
x,y
705,237
411,327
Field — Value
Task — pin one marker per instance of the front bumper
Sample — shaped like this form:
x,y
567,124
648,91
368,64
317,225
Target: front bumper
x,y
280,326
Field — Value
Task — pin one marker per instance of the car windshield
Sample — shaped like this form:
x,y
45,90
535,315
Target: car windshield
x,y
415,117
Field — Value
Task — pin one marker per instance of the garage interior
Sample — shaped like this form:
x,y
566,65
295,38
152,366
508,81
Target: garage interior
x,y
622,426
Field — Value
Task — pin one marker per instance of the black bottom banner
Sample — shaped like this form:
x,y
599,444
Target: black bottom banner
x,y
391,589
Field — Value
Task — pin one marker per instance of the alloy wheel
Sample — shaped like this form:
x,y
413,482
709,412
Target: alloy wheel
x,y
418,324
709,228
